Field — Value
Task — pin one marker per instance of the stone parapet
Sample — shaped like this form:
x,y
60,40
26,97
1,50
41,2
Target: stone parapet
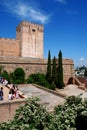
x,y
8,109
16,60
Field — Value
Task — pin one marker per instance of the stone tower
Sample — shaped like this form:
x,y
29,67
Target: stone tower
x,y
30,38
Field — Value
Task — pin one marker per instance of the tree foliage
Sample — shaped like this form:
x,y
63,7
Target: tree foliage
x,y
48,73
40,79
85,73
60,83
1,69
18,76
54,71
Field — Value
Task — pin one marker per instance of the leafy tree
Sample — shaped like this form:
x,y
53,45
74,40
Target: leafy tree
x,y
60,83
85,73
67,113
48,74
1,69
81,120
82,68
18,76
40,79
54,71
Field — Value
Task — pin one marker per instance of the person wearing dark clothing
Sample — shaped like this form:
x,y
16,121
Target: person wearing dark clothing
x,y
1,93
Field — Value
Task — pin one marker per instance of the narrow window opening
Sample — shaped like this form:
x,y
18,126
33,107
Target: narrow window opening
x,y
33,30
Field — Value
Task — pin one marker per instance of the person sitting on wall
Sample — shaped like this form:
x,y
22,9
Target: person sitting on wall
x,y
12,89
1,94
17,93
5,82
10,95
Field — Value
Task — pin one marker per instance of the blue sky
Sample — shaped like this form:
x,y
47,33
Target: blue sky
x,y
65,24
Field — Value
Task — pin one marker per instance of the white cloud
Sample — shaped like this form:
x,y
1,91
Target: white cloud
x,y
81,62
81,59
25,10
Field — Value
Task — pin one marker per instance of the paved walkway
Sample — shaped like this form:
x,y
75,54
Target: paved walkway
x,y
51,100
73,90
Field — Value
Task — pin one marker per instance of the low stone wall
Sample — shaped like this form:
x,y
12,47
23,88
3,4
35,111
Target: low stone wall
x,y
8,108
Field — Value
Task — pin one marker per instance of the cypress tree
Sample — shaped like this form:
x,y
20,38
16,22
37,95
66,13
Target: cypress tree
x,y
48,74
60,83
54,71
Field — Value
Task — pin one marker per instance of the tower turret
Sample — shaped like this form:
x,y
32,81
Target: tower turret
x,y
30,37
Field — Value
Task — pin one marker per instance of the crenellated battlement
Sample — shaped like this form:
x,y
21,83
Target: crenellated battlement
x,y
30,36
8,39
30,26
67,61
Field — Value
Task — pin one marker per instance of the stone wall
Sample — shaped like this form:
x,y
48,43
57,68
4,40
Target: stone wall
x,y
9,47
8,108
68,70
34,65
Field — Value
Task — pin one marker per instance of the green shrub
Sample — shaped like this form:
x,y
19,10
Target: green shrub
x,y
52,86
39,79
18,76
74,100
81,120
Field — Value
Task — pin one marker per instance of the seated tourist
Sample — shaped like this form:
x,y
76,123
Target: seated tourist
x,y
10,96
5,82
17,93
1,94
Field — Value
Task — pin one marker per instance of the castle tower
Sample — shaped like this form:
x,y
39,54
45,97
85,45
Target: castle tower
x,y
30,38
